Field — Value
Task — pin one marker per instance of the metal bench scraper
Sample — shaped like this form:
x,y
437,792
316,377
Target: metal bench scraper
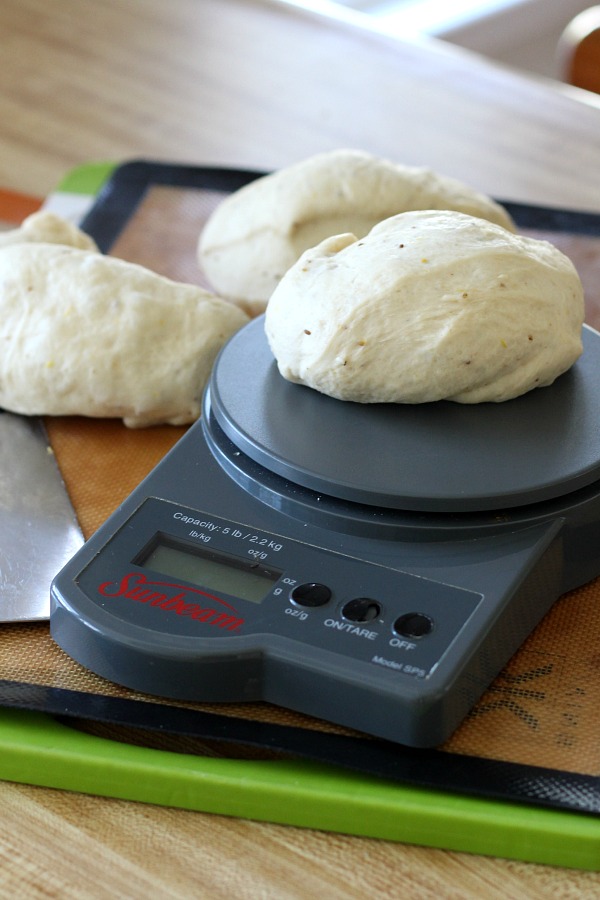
x,y
38,527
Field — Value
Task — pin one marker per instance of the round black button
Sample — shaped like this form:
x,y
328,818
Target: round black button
x,y
361,609
413,625
311,593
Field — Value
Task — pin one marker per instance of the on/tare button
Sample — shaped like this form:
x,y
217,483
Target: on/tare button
x,y
413,625
310,593
361,609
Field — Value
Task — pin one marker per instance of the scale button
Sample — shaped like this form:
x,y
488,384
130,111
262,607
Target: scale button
x,y
362,609
413,625
310,593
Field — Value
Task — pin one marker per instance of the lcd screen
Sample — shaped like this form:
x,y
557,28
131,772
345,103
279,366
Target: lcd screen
x,y
211,570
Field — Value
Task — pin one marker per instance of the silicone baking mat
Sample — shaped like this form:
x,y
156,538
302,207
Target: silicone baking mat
x,y
532,740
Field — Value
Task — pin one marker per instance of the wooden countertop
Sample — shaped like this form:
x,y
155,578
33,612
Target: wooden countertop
x,y
256,84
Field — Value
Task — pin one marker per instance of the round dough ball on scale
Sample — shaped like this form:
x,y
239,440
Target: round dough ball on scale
x,y
430,305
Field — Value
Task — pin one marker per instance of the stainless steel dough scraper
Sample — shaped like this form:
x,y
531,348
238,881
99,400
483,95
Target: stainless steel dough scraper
x,y
38,526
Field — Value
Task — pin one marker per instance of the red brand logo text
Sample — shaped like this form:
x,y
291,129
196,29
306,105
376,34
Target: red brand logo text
x,y
139,589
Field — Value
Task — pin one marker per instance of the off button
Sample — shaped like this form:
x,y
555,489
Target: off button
x,y
310,593
413,625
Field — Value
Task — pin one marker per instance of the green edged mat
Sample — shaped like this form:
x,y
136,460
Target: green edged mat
x,y
37,749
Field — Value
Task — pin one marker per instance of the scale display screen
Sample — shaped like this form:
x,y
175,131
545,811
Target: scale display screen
x,y
245,579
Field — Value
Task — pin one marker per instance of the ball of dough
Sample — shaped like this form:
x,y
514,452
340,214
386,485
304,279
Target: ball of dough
x,y
257,233
48,228
428,306
82,333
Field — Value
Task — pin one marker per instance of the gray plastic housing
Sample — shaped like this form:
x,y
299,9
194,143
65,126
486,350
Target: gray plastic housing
x,y
483,578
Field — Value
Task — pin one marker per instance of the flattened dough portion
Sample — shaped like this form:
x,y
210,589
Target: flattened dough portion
x,y
82,333
257,233
48,228
428,306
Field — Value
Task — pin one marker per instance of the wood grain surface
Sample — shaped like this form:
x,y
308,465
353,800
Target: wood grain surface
x,y
255,84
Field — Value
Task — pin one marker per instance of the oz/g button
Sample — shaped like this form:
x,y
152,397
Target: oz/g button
x,y
310,593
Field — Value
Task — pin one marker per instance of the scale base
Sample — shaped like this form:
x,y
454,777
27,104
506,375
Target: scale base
x,y
223,580
483,596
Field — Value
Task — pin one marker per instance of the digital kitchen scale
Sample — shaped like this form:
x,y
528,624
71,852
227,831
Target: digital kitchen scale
x,y
372,565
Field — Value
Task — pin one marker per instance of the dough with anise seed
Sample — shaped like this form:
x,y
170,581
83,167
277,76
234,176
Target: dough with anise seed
x,y
48,228
87,334
256,234
430,305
